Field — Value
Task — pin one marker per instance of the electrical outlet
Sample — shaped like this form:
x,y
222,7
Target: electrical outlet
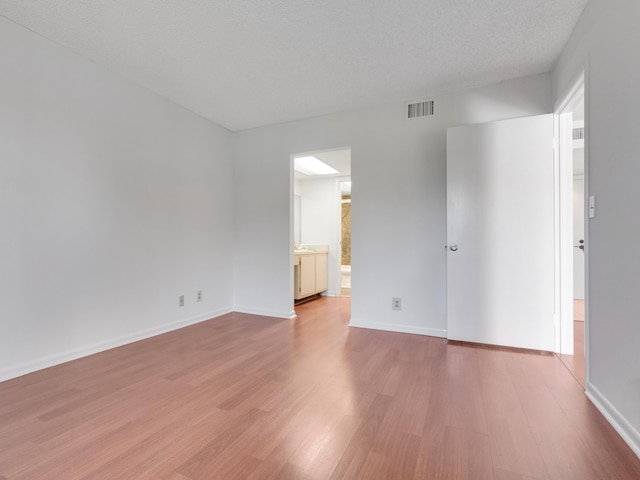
x,y
199,296
181,301
396,303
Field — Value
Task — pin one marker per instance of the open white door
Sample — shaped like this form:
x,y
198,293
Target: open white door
x,y
500,233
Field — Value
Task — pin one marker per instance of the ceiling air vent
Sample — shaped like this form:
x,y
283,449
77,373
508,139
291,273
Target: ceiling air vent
x,y
578,133
420,109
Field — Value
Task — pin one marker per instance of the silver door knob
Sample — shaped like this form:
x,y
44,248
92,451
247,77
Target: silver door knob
x,y
453,247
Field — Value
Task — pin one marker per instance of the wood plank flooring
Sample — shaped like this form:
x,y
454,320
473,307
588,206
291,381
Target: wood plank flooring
x,y
246,397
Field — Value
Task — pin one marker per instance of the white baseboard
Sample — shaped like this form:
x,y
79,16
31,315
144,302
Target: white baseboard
x,y
62,357
628,433
266,313
392,327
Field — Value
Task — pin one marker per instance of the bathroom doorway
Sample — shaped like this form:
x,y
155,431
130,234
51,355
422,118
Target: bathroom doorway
x,y
318,211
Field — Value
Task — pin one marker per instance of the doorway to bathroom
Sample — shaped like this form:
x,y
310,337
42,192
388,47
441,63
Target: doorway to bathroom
x,y
322,219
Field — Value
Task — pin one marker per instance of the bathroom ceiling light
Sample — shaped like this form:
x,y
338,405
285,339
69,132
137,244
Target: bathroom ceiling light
x,y
313,166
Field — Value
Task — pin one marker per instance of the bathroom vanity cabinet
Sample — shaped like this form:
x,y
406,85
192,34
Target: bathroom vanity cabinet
x,y
310,273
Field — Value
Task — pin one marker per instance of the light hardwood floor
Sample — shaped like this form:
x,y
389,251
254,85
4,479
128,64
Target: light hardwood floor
x,y
245,397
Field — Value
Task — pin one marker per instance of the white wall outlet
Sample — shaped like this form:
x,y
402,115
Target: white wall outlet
x,y
181,301
199,296
396,303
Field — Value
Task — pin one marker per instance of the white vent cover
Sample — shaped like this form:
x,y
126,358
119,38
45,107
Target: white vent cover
x,y
578,133
420,109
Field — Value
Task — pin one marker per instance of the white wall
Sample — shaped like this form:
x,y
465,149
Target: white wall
x,y
399,218
321,222
113,202
605,40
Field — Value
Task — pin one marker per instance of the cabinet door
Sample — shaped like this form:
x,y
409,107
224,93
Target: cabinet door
x,y
307,275
321,272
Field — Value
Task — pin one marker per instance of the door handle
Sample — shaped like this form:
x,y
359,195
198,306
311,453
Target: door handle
x,y
453,247
581,246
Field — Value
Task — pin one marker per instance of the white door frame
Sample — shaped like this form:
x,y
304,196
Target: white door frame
x,y
564,247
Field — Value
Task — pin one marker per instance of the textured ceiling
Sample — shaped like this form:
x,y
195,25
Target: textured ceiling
x,y
248,63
